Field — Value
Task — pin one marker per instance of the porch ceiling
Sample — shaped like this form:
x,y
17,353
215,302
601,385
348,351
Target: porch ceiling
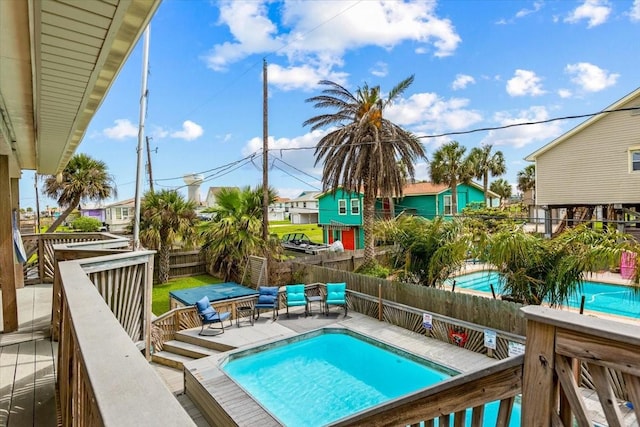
x,y
58,59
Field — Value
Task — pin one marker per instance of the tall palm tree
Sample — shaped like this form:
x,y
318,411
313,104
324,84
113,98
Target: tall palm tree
x,y
486,163
502,188
449,166
83,179
366,152
235,231
165,217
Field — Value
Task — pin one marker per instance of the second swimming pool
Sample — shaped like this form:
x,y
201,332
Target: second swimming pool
x,y
602,297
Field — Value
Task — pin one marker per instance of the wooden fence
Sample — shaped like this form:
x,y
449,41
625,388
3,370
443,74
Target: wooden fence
x,y
183,264
490,313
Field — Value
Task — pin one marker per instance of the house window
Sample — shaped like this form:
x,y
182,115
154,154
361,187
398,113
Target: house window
x,y
447,205
122,213
355,207
634,157
342,207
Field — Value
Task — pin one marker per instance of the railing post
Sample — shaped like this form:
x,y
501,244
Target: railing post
x,y
41,262
538,386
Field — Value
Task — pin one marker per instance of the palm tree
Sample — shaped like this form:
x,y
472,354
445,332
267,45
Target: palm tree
x,y
165,218
366,152
502,188
449,167
235,231
428,252
83,179
527,180
485,163
533,269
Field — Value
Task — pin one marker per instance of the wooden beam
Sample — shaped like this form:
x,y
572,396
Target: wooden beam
x,y
7,273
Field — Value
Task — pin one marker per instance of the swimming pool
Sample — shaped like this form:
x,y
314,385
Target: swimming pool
x,y
333,373
601,297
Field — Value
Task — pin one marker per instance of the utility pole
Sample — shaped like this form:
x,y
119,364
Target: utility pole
x,y
35,177
143,112
149,166
265,163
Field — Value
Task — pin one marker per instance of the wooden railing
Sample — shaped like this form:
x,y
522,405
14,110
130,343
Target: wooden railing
x,y
102,377
557,343
450,399
40,265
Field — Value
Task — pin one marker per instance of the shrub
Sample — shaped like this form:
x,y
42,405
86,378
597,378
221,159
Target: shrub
x,y
373,269
86,224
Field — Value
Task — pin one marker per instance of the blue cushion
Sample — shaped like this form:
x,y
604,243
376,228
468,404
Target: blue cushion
x,y
336,292
268,290
203,304
266,299
296,295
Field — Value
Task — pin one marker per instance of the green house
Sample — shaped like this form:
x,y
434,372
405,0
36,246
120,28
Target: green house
x,y
340,216
340,213
430,200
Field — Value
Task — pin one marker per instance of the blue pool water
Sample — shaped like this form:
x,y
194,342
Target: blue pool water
x,y
317,380
602,297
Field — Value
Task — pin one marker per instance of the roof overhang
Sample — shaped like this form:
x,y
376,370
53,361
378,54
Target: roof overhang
x,y
58,59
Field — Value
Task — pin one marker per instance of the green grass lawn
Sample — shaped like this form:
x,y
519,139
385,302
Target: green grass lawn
x,y
311,230
160,293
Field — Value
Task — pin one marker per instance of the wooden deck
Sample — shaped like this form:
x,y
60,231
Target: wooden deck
x,y
28,360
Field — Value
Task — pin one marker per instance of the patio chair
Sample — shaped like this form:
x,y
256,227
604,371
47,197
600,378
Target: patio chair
x,y
336,295
296,298
209,316
267,300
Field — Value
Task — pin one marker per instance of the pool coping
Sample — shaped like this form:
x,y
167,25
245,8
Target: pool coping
x,y
225,402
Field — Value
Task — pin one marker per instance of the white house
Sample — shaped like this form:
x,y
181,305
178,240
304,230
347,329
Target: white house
x,y
119,215
210,201
279,210
304,208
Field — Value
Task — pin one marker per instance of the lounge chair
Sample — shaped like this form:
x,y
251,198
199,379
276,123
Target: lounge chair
x,y
209,316
267,300
336,295
296,298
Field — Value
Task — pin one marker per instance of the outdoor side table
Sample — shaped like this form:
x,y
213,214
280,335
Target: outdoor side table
x,y
242,312
317,299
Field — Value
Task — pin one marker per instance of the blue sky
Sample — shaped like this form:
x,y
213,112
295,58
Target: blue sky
x,y
476,64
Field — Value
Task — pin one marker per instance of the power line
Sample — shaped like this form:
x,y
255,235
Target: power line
x,y
299,170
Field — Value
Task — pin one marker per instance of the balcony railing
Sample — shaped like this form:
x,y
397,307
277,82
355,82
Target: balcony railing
x,y
102,309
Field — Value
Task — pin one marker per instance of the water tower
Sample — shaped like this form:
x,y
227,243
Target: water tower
x,y
193,181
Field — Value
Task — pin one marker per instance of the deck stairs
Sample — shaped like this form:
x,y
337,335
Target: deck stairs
x,y
187,346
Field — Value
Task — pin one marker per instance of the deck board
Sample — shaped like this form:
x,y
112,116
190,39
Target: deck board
x,y
21,410
44,385
8,364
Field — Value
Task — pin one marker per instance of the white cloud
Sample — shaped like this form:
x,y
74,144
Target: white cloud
x,y
525,82
189,132
381,69
564,93
519,136
462,81
589,77
595,11
123,129
634,13
303,77
327,29
427,112
537,5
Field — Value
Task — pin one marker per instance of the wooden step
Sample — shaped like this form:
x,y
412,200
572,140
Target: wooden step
x,y
191,336
188,349
170,359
